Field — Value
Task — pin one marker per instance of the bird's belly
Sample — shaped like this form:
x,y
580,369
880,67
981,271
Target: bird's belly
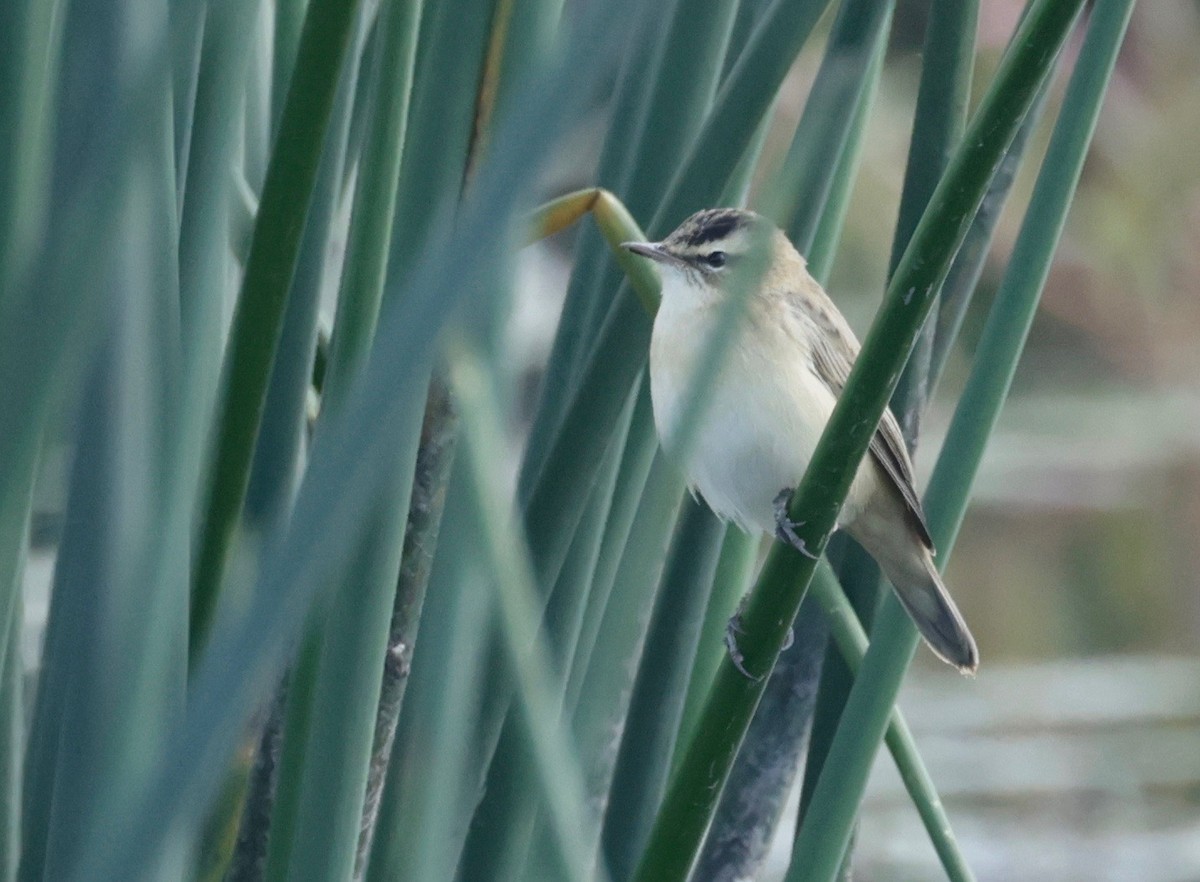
x,y
756,436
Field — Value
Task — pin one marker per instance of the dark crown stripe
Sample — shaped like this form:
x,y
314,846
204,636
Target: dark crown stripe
x,y
710,226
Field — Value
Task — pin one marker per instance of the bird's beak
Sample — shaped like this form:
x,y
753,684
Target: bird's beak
x,y
652,250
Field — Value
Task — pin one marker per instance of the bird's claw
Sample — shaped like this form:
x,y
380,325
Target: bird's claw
x,y
732,629
785,527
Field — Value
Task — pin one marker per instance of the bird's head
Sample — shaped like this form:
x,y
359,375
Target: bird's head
x,y
713,252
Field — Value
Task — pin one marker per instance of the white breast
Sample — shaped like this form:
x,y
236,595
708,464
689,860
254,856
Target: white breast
x,y
763,418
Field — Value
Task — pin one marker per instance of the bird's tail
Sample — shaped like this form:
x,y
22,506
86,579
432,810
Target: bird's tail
x,y
928,603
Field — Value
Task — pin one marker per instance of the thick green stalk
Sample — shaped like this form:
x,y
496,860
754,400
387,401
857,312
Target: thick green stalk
x,y
12,731
269,804
289,23
955,297
735,568
846,631
29,43
637,457
435,458
656,707
940,116
268,277
761,781
821,843
30,34
803,184
207,194
435,738
371,225
124,683
773,603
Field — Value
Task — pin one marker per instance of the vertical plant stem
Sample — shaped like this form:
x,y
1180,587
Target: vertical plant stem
x,y
435,457
776,598
735,567
940,116
821,843
12,731
269,269
822,163
656,707
277,461
804,183
226,39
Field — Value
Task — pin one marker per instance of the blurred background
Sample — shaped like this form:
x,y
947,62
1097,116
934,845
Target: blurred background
x,y
1075,754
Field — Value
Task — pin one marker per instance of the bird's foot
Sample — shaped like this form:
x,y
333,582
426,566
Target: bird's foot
x,y
735,655
785,527
732,629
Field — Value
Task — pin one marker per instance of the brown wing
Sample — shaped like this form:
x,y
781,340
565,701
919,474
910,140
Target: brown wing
x,y
833,355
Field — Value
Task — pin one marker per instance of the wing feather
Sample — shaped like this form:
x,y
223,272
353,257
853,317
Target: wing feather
x,y
833,353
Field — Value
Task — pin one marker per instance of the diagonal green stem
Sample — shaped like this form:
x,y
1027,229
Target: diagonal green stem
x,y
822,164
940,117
773,603
821,843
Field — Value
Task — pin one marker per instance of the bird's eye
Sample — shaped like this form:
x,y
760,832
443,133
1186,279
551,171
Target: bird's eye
x,y
716,259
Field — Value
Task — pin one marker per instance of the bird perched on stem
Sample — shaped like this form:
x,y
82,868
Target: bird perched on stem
x,y
786,367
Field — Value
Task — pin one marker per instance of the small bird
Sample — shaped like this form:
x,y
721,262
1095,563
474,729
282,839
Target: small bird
x,y
783,374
